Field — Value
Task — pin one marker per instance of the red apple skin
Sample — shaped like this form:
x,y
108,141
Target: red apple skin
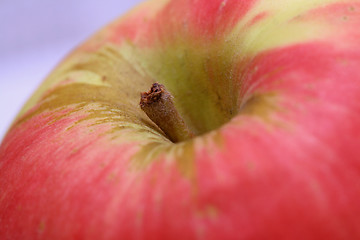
x,y
286,166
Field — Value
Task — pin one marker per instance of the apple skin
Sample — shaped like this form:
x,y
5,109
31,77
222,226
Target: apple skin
x,y
272,89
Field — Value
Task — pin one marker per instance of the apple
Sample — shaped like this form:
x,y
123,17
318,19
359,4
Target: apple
x,y
269,89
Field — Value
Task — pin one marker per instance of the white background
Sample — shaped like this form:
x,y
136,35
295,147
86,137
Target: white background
x,y
36,34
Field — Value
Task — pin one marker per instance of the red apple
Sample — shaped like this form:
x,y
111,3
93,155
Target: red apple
x,y
271,89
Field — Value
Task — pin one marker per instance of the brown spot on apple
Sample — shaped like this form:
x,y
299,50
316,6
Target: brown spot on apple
x,y
111,177
251,165
209,212
41,226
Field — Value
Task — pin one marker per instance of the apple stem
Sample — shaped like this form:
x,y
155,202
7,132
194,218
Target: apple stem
x,y
158,105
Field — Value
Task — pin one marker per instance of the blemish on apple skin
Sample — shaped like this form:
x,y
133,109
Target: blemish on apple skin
x,y
212,211
200,231
343,61
209,212
111,177
41,226
352,8
157,198
250,165
2,197
139,215
310,86
75,150
223,4
153,180
297,17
